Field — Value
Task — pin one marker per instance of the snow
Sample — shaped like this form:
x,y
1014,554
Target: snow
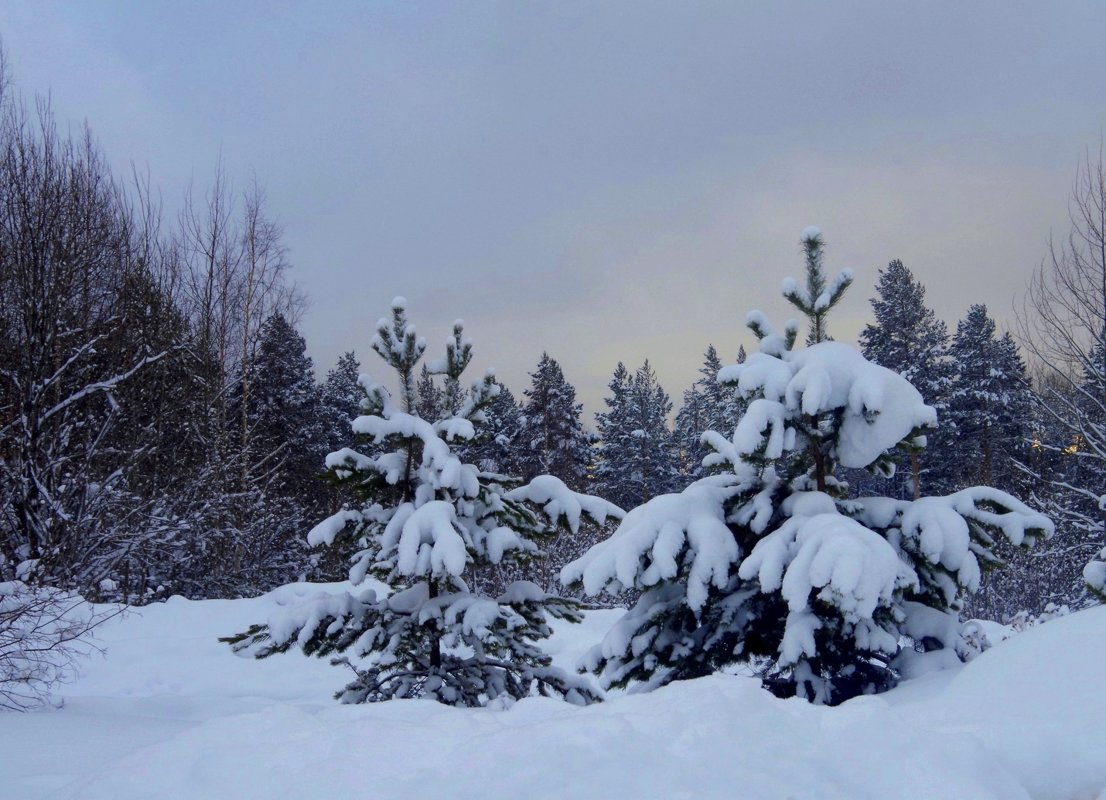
x,y
171,713
428,541
558,501
854,569
325,531
656,537
810,232
829,552
1095,572
880,408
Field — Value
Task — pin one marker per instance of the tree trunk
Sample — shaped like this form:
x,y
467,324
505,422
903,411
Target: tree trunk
x,y
436,639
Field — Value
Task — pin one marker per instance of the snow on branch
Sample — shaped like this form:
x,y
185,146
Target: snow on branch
x,y
558,501
101,386
879,407
669,535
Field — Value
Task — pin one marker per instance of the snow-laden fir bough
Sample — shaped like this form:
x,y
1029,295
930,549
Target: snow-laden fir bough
x,y
428,520
770,561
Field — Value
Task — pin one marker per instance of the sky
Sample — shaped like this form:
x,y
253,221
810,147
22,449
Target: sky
x,y
604,181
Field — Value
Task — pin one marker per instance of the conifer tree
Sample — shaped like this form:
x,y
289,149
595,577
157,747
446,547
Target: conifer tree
x,y
612,479
770,560
495,447
908,338
427,518
819,296
429,395
282,417
689,427
340,399
991,403
552,438
282,443
708,405
637,455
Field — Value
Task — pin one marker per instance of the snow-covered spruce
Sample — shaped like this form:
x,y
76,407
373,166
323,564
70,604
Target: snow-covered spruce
x,y
772,563
428,520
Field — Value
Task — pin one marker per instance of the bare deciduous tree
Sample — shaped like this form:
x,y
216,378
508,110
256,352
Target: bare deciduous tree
x,y
1062,325
63,257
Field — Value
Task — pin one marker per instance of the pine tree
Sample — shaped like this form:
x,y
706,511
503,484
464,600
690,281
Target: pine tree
x,y
340,400
770,561
551,436
689,427
637,456
495,448
707,405
990,403
428,518
282,448
909,339
612,479
428,395
818,297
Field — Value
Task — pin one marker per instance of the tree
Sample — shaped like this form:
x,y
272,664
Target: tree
x,y
552,438
279,488
637,455
495,448
707,405
232,279
64,257
430,401
990,403
908,338
611,476
690,423
44,631
428,518
1062,325
770,562
282,414
818,297
340,401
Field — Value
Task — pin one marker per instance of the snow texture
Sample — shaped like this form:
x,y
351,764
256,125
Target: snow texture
x,y
172,713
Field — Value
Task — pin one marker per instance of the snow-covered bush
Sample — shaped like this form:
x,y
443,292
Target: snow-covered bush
x,y
772,562
428,522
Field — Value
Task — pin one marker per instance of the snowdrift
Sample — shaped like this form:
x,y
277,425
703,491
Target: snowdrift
x,y
171,713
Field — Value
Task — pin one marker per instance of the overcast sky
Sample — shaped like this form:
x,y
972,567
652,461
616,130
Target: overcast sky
x,y
604,181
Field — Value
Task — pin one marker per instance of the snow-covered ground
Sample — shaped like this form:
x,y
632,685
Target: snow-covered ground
x,y
172,713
